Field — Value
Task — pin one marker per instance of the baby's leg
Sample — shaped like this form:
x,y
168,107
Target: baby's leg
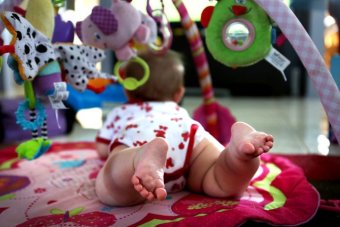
x,y
132,175
149,164
238,163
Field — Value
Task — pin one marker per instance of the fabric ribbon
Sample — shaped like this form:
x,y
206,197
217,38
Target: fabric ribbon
x,y
310,56
202,66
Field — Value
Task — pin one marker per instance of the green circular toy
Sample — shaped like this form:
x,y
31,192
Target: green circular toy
x,y
238,32
130,83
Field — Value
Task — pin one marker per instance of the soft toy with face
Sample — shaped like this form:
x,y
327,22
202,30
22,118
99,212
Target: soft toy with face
x,y
114,28
238,32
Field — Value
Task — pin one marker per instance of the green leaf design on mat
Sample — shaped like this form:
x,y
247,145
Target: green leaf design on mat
x,y
72,213
279,199
155,222
57,211
8,164
76,211
7,197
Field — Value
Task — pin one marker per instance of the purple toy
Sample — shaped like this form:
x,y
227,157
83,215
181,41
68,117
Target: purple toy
x,y
116,28
63,31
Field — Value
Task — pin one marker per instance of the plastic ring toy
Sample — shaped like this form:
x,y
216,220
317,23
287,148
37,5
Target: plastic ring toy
x,y
30,125
163,43
130,83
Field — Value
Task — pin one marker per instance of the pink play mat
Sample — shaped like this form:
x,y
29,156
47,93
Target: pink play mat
x,y
58,190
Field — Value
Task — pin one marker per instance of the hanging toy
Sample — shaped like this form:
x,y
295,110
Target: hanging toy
x,y
63,30
37,65
214,117
58,3
37,146
32,50
164,37
25,66
131,83
8,5
117,29
225,10
239,34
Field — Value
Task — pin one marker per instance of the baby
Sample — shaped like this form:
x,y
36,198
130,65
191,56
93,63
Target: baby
x,y
155,148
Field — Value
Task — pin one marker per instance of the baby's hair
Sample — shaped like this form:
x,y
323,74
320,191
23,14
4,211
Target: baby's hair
x,y
166,76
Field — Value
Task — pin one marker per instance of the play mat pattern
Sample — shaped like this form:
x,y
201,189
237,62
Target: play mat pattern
x,y
58,189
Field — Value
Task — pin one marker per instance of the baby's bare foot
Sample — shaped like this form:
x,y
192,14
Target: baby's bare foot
x,y
248,143
148,179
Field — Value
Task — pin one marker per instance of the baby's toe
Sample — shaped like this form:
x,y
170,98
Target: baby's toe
x,y
269,144
144,193
247,148
135,180
138,187
266,148
259,150
269,138
150,197
160,193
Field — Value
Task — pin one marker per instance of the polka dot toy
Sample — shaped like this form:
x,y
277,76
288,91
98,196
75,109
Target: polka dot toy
x,y
79,64
32,49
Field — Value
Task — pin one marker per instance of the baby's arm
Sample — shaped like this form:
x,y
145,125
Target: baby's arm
x,y
103,141
104,136
102,149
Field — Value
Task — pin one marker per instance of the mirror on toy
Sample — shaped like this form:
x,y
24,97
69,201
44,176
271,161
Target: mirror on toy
x,y
238,35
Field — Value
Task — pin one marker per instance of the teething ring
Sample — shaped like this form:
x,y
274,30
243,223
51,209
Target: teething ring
x,y
30,125
130,83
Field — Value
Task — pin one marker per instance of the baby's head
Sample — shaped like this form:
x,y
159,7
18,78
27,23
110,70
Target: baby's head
x,y
166,81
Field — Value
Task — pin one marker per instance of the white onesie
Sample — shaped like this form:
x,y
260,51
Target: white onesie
x,y
138,123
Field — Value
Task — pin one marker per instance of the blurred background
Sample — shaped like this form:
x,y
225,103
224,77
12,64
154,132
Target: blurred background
x,y
258,94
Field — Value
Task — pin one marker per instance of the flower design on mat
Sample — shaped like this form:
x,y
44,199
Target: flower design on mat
x,y
72,217
194,204
267,199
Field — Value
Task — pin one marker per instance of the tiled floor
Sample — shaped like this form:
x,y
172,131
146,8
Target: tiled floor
x,y
298,125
